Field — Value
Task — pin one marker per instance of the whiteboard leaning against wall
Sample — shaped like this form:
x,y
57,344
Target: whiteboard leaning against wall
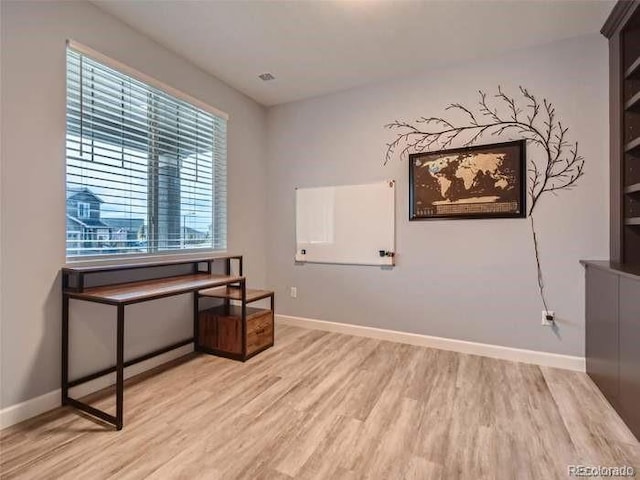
x,y
350,224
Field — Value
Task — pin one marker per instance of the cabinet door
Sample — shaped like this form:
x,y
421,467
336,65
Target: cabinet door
x,y
629,395
602,330
230,334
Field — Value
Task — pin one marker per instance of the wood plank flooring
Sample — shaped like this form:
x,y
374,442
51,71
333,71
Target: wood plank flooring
x,y
328,406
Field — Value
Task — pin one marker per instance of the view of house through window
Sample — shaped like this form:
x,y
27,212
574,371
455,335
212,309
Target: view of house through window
x,y
146,172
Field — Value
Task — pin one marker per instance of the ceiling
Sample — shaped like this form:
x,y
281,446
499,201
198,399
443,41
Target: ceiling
x,y
314,47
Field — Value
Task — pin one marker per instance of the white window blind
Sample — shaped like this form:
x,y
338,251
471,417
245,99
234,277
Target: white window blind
x,y
146,171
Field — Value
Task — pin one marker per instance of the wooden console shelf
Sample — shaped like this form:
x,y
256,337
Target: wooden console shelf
x,y
123,285
632,221
143,291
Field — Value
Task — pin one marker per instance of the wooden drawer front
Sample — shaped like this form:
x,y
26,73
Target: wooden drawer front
x,y
259,331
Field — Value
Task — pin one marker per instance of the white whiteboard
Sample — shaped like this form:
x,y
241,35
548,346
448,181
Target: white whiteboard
x,y
346,224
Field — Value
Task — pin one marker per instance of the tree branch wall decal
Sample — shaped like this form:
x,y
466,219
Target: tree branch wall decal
x,y
558,168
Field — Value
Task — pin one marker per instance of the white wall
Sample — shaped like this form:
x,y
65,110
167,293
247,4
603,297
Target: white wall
x,y
33,200
468,279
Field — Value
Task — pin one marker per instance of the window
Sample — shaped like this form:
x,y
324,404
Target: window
x,y
84,210
146,169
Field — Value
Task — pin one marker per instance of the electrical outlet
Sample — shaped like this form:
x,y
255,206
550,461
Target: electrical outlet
x,y
548,318
294,292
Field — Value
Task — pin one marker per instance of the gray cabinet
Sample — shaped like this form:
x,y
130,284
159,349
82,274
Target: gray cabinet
x,y
612,344
629,326
602,330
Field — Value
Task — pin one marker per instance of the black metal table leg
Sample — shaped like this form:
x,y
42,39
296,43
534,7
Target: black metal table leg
x,y
273,317
65,350
196,321
243,299
120,369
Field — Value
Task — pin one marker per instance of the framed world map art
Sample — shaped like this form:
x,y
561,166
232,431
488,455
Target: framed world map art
x,y
485,181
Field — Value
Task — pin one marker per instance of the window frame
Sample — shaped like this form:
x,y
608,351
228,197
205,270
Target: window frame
x,y
126,257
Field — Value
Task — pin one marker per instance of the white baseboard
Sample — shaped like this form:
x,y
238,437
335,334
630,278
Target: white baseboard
x,y
30,408
36,406
546,359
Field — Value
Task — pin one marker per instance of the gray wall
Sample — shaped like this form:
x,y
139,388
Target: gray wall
x,y
469,279
33,201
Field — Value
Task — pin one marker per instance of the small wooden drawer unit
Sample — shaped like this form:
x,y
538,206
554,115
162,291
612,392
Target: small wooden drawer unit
x,y
222,332
259,331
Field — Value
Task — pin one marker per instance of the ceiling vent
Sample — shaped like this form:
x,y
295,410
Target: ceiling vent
x,y
265,77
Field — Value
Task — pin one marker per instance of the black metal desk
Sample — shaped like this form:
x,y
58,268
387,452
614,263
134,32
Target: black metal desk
x,y
123,294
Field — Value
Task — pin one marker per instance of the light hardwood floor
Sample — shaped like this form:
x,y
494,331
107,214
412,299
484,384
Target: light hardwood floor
x,y
329,406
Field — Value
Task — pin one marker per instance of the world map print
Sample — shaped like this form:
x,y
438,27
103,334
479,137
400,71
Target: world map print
x,y
467,182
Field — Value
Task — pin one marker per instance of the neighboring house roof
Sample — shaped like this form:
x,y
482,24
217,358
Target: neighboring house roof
x,y
74,220
88,222
81,192
193,231
131,224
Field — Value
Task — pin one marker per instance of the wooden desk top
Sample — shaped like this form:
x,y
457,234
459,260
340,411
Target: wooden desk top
x,y
134,292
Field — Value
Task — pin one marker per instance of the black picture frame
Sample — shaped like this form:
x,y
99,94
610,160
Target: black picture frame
x,y
445,204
